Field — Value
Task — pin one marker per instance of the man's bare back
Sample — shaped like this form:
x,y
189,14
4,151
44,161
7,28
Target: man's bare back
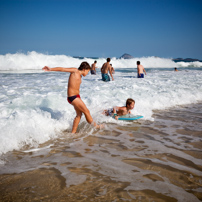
x,y
93,66
106,67
140,70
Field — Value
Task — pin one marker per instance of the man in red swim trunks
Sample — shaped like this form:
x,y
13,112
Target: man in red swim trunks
x,y
73,92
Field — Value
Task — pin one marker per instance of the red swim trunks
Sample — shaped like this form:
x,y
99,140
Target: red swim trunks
x,y
72,98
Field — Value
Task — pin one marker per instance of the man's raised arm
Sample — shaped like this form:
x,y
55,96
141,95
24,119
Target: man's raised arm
x,y
60,69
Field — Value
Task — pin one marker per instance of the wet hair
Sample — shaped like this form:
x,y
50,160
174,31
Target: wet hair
x,y
129,101
108,59
84,65
138,62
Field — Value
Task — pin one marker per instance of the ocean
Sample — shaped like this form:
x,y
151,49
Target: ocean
x,y
157,158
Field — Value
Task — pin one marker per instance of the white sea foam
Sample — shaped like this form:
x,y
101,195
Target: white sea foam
x,y
35,61
33,106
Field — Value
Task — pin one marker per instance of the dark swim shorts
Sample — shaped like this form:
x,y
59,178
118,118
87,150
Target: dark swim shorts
x,y
92,72
140,76
105,77
72,98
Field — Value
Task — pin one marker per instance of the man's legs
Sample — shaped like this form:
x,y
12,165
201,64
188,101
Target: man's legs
x,y
76,120
80,108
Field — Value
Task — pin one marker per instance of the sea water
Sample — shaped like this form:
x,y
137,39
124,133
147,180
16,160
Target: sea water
x,y
157,158
34,107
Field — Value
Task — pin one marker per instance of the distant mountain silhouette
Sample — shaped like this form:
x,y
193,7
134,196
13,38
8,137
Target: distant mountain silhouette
x,y
126,56
186,60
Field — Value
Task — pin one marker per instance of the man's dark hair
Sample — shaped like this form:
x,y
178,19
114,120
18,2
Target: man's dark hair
x,y
95,61
138,62
84,65
108,59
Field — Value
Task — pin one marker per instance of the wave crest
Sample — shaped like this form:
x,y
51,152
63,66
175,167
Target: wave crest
x,y
36,61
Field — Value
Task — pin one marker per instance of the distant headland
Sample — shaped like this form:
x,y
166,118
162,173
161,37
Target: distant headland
x,y
186,60
128,56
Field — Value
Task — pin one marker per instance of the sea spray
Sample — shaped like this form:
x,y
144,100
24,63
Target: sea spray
x,y
35,61
34,107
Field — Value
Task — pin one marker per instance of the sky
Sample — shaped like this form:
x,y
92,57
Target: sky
x,y
102,28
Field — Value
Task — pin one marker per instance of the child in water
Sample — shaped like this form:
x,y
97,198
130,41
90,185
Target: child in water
x,y
120,111
73,92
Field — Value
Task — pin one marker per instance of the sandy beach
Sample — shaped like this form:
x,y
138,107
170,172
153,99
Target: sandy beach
x,y
140,161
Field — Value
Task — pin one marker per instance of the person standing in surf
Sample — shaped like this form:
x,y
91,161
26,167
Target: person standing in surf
x,y
140,70
113,71
106,67
73,91
93,68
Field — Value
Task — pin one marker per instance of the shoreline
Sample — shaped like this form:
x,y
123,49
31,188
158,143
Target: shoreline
x,y
144,160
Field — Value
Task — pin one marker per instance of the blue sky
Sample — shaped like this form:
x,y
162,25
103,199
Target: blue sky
x,y
102,28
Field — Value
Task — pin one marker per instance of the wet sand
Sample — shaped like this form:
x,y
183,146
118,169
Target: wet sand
x,y
139,161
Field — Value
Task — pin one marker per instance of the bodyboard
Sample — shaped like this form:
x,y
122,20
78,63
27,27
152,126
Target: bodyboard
x,y
129,117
